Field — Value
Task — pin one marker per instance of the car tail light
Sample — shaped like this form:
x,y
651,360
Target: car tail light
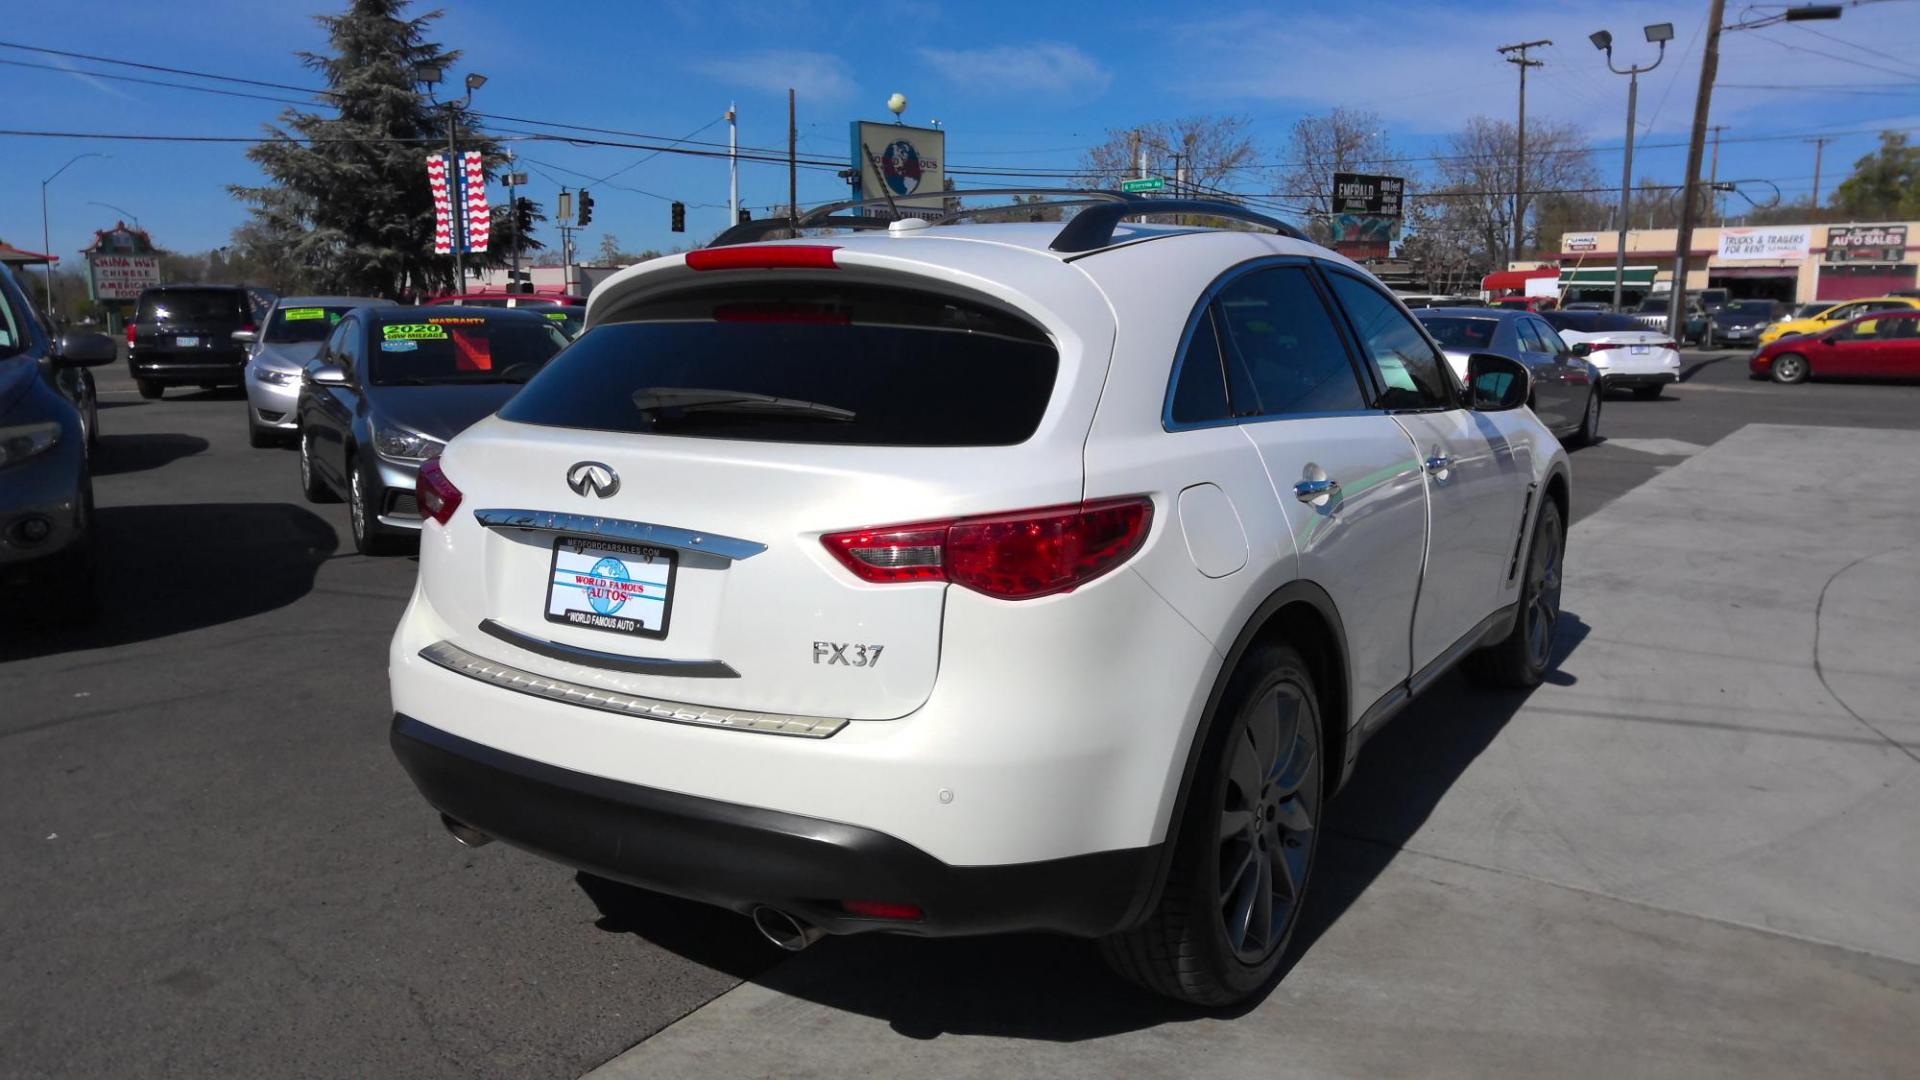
x,y
250,328
1014,556
881,909
764,257
130,333
1603,346
437,496
1674,345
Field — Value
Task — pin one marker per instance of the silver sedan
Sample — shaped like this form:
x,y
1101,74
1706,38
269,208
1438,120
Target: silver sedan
x,y
290,335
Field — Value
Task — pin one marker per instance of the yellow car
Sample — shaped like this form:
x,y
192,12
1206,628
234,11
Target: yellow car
x,y
1840,312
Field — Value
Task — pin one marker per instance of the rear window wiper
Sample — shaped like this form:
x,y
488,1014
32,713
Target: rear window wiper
x,y
652,399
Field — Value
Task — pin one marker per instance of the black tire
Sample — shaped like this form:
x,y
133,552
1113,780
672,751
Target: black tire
x,y
370,537
311,485
1521,659
1588,432
1264,792
149,389
1790,368
1648,393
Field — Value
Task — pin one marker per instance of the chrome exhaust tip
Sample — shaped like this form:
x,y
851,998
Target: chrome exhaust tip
x,y
786,931
465,833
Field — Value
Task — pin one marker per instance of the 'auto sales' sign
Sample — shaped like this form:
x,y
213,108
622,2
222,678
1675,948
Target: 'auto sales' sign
x,y
1765,242
1866,243
121,277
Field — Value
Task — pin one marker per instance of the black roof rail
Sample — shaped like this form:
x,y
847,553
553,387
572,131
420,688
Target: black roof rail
x,y
1092,229
748,231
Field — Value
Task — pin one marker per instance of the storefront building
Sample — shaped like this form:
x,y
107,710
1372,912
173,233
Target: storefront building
x,y
1795,263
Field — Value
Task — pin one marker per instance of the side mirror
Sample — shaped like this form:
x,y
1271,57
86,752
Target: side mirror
x,y
86,350
1497,383
246,337
1583,348
326,375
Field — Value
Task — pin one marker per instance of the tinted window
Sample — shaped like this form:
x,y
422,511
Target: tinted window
x,y
1461,333
1748,307
13,332
1530,340
194,305
296,324
1283,354
468,348
912,369
1201,393
1548,337
343,348
1591,322
1407,364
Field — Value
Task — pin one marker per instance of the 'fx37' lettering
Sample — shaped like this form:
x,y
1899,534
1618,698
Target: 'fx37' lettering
x,y
851,655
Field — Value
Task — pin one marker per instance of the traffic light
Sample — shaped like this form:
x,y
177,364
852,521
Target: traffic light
x,y
522,216
679,217
746,215
586,206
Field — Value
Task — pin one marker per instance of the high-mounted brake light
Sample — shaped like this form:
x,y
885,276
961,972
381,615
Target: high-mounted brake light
x,y
1014,556
437,496
764,257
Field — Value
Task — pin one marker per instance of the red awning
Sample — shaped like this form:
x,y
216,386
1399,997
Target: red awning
x,y
1516,280
22,257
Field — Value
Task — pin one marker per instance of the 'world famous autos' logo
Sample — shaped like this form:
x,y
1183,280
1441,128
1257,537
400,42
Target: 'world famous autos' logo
x,y
900,167
608,586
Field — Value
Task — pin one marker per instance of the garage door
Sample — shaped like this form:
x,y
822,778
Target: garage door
x,y
1849,282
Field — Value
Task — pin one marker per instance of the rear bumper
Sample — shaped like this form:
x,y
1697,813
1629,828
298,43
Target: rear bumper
x,y
739,856
202,367
1639,378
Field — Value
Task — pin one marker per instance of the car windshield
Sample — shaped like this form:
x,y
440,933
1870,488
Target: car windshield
x,y
1808,311
291,325
461,349
1744,311
1591,322
194,305
1461,333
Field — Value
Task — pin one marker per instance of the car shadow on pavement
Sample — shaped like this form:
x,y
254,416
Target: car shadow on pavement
x,y
1057,989
116,454
166,569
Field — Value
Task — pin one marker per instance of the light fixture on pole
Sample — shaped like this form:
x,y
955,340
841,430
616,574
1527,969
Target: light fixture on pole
x,y
135,218
1659,34
46,231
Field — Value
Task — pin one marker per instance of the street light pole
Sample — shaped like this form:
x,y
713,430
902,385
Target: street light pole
x,y
1602,40
46,229
733,167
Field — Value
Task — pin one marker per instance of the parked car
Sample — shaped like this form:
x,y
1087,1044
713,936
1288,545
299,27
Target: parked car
x,y
1835,314
1566,388
182,335
507,300
1884,344
1157,505
293,329
1424,300
387,390
1712,299
1654,313
1586,305
1625,354
1740,322
570,319
46,486
1526,303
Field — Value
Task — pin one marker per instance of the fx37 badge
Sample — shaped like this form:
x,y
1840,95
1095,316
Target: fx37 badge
x,y
852,655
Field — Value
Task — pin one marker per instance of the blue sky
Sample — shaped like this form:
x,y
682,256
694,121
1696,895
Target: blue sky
x,y
1027,85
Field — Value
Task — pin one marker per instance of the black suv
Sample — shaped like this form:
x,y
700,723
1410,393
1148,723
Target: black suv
x,y
182,335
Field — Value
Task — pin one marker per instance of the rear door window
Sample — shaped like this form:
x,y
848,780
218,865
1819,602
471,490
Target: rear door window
x,y
803,363
1283,354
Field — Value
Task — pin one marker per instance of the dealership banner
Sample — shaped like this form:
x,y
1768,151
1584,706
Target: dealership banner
x,y
1765,242
467,186
1866,243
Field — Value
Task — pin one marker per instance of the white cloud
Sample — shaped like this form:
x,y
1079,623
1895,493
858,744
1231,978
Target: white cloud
x,y
815,76
1021,69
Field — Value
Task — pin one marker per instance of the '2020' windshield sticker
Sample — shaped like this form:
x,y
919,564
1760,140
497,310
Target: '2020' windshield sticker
x,y
413,332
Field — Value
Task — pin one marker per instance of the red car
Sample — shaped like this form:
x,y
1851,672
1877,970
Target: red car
x,y
1527,303
1885,344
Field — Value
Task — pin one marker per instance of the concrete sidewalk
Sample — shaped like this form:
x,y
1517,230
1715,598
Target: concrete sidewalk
x,y
1689,854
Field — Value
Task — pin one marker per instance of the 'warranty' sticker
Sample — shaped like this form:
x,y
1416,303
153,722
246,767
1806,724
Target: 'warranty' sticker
x,y
413,332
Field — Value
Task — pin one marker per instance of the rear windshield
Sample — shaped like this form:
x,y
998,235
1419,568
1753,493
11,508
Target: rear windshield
x,y
195,305
296,324
461,349
1591,322
1462,334
1747,308
803,363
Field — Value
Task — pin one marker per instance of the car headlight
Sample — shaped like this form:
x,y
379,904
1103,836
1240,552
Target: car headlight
x,y
19,442
276,376
404,445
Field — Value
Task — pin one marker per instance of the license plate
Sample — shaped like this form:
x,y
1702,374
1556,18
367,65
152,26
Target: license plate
x,y
186,342
608,585
1637,350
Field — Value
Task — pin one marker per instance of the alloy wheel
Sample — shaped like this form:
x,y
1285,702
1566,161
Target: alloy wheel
x,y
356,508
306,461
1788,368
1266,829
1543,593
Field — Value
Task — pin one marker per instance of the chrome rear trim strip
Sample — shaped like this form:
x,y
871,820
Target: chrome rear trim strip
x,y
461,662
638,665
632,532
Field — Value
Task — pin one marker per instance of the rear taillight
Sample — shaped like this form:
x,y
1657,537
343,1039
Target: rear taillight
x,y
437,496
130,329
250,328
1015,556
1674,345
1603,346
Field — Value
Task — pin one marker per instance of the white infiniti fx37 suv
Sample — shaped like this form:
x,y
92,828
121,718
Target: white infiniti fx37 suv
x,y
972,578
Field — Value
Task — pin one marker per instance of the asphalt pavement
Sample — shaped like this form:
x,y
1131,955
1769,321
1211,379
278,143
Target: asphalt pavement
x,y
213,865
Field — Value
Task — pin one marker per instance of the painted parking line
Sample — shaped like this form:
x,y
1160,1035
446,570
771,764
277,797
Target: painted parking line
x,y
1660,447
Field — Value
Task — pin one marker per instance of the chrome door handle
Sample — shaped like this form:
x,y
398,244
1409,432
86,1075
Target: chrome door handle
x,y
1438,463
1309,490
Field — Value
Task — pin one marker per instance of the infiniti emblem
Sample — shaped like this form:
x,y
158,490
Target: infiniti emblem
x,y
593,478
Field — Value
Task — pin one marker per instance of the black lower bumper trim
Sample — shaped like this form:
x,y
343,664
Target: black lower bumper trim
x,y
741,856
1652,379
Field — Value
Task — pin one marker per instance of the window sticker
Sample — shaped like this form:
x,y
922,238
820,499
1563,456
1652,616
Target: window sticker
x,y
456,320
399,346
557,316
473,352
413,332
300,314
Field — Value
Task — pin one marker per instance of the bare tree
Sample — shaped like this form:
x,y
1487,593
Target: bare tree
x,y
1212,153
1474,181
1344,140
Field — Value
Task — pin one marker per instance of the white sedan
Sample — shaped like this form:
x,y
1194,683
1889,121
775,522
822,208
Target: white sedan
x,y
1625,353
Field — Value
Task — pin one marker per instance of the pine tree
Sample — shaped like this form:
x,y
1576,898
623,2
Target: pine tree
x,y
347,195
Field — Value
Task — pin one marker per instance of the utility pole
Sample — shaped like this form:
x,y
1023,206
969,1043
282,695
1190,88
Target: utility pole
x,y
793,167
1819,151
733,168
1713,178
1696,148
1520,149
